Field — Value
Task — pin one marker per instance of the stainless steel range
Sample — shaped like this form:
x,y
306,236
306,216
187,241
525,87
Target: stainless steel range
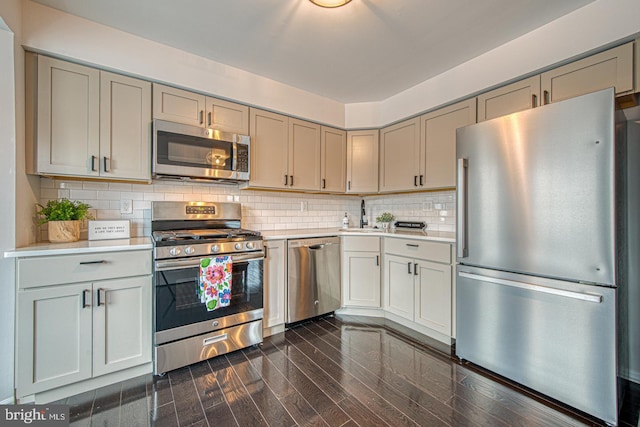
x,y
208,282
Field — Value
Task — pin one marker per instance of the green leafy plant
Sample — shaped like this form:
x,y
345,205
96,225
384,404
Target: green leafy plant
x,y
385,217
63,210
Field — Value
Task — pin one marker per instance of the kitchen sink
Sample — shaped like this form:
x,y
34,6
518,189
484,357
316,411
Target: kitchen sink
x,y
361,230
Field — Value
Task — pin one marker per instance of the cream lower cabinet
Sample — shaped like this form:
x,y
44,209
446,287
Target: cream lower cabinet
x,y
361,271
418,283
85,122
70,332
274,284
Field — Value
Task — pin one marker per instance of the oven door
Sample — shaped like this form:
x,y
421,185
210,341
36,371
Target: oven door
x,y
179,311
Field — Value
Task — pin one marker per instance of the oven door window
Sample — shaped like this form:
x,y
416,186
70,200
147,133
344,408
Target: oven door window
x,y
178,302
192,151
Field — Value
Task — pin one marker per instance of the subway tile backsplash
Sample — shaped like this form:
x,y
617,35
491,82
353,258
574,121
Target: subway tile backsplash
x,y
261,210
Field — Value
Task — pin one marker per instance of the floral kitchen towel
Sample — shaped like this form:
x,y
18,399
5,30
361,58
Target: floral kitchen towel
x,y
215,282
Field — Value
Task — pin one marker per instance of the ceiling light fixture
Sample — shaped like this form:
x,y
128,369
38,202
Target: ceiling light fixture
x,y
330,3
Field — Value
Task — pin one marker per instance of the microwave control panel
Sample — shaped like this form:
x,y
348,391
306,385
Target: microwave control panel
x,y
243,158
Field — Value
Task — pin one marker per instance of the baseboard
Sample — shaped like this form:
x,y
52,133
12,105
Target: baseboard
x,y
8,401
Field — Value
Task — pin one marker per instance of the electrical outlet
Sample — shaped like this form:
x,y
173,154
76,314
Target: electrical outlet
x,y
304,206
126,206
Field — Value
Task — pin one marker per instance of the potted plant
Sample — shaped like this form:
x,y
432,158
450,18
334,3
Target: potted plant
x,y
63,219
385,218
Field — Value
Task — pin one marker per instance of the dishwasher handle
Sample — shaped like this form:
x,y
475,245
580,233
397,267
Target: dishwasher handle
x,y
316,247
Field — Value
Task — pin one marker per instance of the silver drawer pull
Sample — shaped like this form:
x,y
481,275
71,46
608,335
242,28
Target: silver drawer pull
x,y
93,262
213,340
411,245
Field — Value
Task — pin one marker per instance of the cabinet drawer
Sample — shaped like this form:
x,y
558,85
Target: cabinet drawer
x,y
361,243
433,251
52,270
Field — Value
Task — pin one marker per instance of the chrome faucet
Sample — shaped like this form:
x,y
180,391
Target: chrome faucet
x,y
363,216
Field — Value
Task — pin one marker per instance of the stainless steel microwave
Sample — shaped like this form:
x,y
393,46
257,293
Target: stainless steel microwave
x,y
186,151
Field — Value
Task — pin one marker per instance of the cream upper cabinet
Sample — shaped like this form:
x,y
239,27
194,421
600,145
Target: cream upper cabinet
x,y
125,135
362,161
190,108
227,116
438,136
85,122
285,152
304,155
333,159
400,156
612,68
518,96
269,149
65,116
177,105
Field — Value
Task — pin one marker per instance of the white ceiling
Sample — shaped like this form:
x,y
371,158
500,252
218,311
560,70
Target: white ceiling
x,y
365,51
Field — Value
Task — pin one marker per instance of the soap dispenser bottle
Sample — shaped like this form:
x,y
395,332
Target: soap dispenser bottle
x,y
345,221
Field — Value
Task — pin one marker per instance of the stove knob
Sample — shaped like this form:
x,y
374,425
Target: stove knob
x,y
250,245
175,251
215,248
189,250
238,246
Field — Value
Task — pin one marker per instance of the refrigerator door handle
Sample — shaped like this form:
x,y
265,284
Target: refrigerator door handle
x,y
461,231
537,288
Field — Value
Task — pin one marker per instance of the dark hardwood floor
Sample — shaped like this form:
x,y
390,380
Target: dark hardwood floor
x,y
343,371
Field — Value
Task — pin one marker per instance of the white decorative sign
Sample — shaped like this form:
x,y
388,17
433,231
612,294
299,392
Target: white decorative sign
x,y
103,230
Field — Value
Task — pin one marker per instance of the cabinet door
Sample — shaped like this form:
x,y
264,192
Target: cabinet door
x,y
438,129
361,279
304,155
269,149
121,324
53,337
398,286
274,283
68,118
433,296
227,116
362,161
400,156
333,159
508,99
613,68
125,127
177,105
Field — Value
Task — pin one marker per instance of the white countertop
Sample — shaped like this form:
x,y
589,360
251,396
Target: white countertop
x,y
439,236
81,247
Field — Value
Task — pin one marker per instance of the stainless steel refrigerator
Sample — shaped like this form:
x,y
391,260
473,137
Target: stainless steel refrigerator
x,y
540,198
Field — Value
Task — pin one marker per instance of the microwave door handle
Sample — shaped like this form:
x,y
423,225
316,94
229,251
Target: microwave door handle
x,y
234,155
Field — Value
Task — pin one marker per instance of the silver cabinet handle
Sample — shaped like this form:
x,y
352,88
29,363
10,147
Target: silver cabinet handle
x,y
461,226
286,180
534,100
93,163
545,97
412,245
421,180
349,185
213,340
291,176
409,267
415,269
84,298
101,301
324,183
93,262
536,288
415,180
104,164
209,118
201,116
377,260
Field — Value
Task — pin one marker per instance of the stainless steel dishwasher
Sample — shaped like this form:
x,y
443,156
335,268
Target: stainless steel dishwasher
x,y
313,285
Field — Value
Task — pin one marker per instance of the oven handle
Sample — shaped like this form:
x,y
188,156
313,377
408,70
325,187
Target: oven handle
x,y
175,265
